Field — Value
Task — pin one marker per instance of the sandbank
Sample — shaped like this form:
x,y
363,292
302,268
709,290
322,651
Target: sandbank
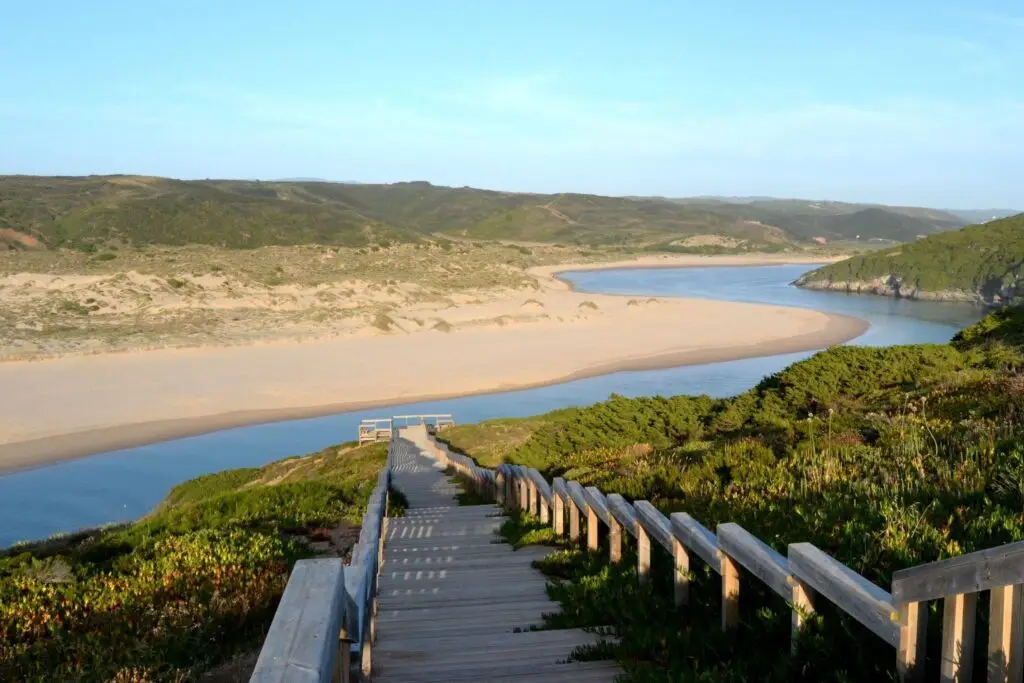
x,y
70,407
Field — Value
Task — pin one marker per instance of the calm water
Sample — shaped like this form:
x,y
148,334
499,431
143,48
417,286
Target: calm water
x,y
126,484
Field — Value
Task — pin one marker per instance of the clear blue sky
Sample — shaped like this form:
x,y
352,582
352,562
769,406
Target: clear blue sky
x,y
912,101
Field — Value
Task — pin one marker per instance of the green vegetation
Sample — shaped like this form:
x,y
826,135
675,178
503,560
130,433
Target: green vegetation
x,y
883,457
187,587
983,263
88,213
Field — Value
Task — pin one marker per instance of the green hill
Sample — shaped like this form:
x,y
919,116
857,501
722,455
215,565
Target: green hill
x,y
882,457
95,211
982,263
803,219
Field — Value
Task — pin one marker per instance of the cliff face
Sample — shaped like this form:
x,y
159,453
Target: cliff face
x,y
995,292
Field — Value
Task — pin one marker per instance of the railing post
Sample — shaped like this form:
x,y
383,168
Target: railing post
x,y
1006,635
524,494
730,593
614,540
958,616
343,663
803,605
574,520
591,529
559,512
682,577
499,488
531,494
545,510
510,491
643,553
913,630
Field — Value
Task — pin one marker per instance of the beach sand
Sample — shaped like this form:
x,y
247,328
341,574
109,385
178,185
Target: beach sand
x,y
70,407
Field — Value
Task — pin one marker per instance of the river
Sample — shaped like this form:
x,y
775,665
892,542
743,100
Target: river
x,y
126,484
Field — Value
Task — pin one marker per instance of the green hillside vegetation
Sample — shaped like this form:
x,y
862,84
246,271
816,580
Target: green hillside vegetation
x,y
99,211
983,262
883,457
186,588
836,220
89,212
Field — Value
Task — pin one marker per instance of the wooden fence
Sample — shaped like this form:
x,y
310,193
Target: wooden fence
x,y
804,575
326,612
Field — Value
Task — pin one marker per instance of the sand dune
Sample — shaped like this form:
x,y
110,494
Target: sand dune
x,y
68,407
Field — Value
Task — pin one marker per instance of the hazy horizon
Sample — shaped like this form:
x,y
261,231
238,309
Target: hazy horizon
x,y
916,105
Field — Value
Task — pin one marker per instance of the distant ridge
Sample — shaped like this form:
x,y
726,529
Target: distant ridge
x,y
95,211
983,215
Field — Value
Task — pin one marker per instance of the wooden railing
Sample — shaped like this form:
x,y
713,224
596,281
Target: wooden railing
x,y
375,429
327,610
380,428
800,577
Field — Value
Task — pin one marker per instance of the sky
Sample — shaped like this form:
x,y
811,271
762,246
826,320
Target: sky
x,y
917,102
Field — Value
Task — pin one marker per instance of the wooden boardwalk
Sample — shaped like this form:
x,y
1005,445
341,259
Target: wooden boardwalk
x,y
456,604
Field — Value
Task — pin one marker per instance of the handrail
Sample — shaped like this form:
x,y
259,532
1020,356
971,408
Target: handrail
x,y
898,618
327,609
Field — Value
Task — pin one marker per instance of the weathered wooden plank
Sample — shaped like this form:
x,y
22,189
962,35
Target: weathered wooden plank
x,y
596,502
574,520
592,529
643,554
681,579
558,497
655,523
958,616
910,650
730,593
803,606
697,538
302,644
575,491
622,511
543,488
756,557
459,614
864,601
1006,635
970,573
558,486
614,541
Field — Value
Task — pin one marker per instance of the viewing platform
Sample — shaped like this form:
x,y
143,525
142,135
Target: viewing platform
x,y
381,428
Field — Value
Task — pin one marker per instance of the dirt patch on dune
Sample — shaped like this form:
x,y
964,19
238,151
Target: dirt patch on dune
x,y
19,240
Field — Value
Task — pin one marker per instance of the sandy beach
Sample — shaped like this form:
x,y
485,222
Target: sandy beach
x,y
79,405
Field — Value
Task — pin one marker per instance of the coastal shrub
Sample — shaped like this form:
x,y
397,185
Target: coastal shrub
x,y
982,260
883,458
184,589
383,322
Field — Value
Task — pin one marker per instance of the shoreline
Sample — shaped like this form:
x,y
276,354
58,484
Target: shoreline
x,y
31,453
